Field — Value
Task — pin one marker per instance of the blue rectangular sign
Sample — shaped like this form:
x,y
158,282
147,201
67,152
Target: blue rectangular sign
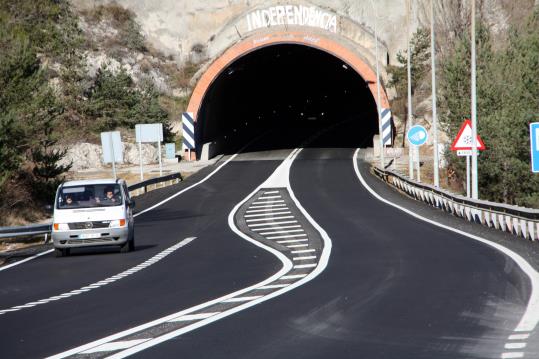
x,y
534,144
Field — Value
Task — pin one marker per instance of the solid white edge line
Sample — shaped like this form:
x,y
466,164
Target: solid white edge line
x,y
26,260
322,264
531,315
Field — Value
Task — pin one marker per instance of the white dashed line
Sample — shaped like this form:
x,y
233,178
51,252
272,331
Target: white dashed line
x,y
297,245
515,345
269,206
287,236
112,346
271,223
284,231
300,266
271,192
303,258
241,299
518,336
303,251
268,219
512,355
102,282
267,210
276,227
268,197
272,286
189,317
293,276
266,214
270,202
293,241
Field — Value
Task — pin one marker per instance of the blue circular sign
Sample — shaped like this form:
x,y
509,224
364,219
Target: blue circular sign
x,y
417,135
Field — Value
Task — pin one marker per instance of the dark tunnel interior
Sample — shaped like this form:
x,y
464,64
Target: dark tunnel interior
x,y
290,90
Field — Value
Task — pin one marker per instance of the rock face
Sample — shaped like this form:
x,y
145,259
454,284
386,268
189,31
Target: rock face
x,y
86,156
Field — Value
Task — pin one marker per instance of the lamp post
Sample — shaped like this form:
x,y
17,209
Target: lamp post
x,y
434,114
409,70
475,189
382,161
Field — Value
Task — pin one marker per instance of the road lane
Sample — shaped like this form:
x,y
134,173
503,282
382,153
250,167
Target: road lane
x,y
395,287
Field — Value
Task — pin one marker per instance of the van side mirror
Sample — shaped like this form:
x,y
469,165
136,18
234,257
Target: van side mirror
x,y
131,204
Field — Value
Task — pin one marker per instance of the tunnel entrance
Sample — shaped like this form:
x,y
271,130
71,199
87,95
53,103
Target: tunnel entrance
x,y
288,89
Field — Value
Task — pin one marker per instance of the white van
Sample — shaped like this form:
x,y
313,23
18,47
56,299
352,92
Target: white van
x,y
93,213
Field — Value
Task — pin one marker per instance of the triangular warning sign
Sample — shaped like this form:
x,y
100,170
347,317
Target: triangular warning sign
x,y
463,141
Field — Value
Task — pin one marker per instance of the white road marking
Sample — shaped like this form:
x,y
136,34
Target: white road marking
x,y
277,227
268,197
518,336
293,241
285,231
515,345
300,266
113,346
288,236
512,355
268,219
303,258
266,214
271,192
297,245
303,251
269,206
197,316
282,170
272,223
270,202
266,210
530,318
293,276
101,283
26,260
241,299
272,286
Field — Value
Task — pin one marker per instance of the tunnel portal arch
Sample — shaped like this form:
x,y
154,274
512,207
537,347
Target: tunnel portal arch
x,y
258,41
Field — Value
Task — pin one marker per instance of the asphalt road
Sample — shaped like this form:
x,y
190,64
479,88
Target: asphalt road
x,y
394,287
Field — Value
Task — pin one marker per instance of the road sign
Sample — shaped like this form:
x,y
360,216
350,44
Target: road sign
x,y
188,126
149,132
464,152
463,141
417,135
111,143
534,146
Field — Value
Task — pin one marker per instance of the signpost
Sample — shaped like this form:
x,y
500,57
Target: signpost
x,y
463,145
417,136
111,144
152,132
534,146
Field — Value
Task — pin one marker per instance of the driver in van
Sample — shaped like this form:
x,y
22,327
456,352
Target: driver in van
x,y
108,197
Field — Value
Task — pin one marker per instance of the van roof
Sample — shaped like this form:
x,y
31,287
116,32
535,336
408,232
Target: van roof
x,y
94,181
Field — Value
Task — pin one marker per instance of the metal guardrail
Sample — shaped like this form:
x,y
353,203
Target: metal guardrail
x,y
45,229
520,221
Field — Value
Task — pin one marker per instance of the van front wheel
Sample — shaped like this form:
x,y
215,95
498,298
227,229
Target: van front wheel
x,y
128,246
62,252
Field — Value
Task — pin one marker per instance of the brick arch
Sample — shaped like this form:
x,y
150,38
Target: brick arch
x,y
255,42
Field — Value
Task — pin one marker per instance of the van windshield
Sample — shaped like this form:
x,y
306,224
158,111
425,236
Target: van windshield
x,y
89,196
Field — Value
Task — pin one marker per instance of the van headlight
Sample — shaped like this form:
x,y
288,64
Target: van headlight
x,y
117,223
60,226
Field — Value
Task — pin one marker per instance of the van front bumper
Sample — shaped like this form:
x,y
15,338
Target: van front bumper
x,y
90,237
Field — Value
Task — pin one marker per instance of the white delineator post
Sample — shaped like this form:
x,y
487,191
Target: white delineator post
x,y
475,187
159,151
434,114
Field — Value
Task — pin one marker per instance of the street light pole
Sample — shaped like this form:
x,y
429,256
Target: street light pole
x,y
409,69
382,161
434,114
475,189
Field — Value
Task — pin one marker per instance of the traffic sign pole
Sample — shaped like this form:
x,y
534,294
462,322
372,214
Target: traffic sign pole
x,y
468,176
